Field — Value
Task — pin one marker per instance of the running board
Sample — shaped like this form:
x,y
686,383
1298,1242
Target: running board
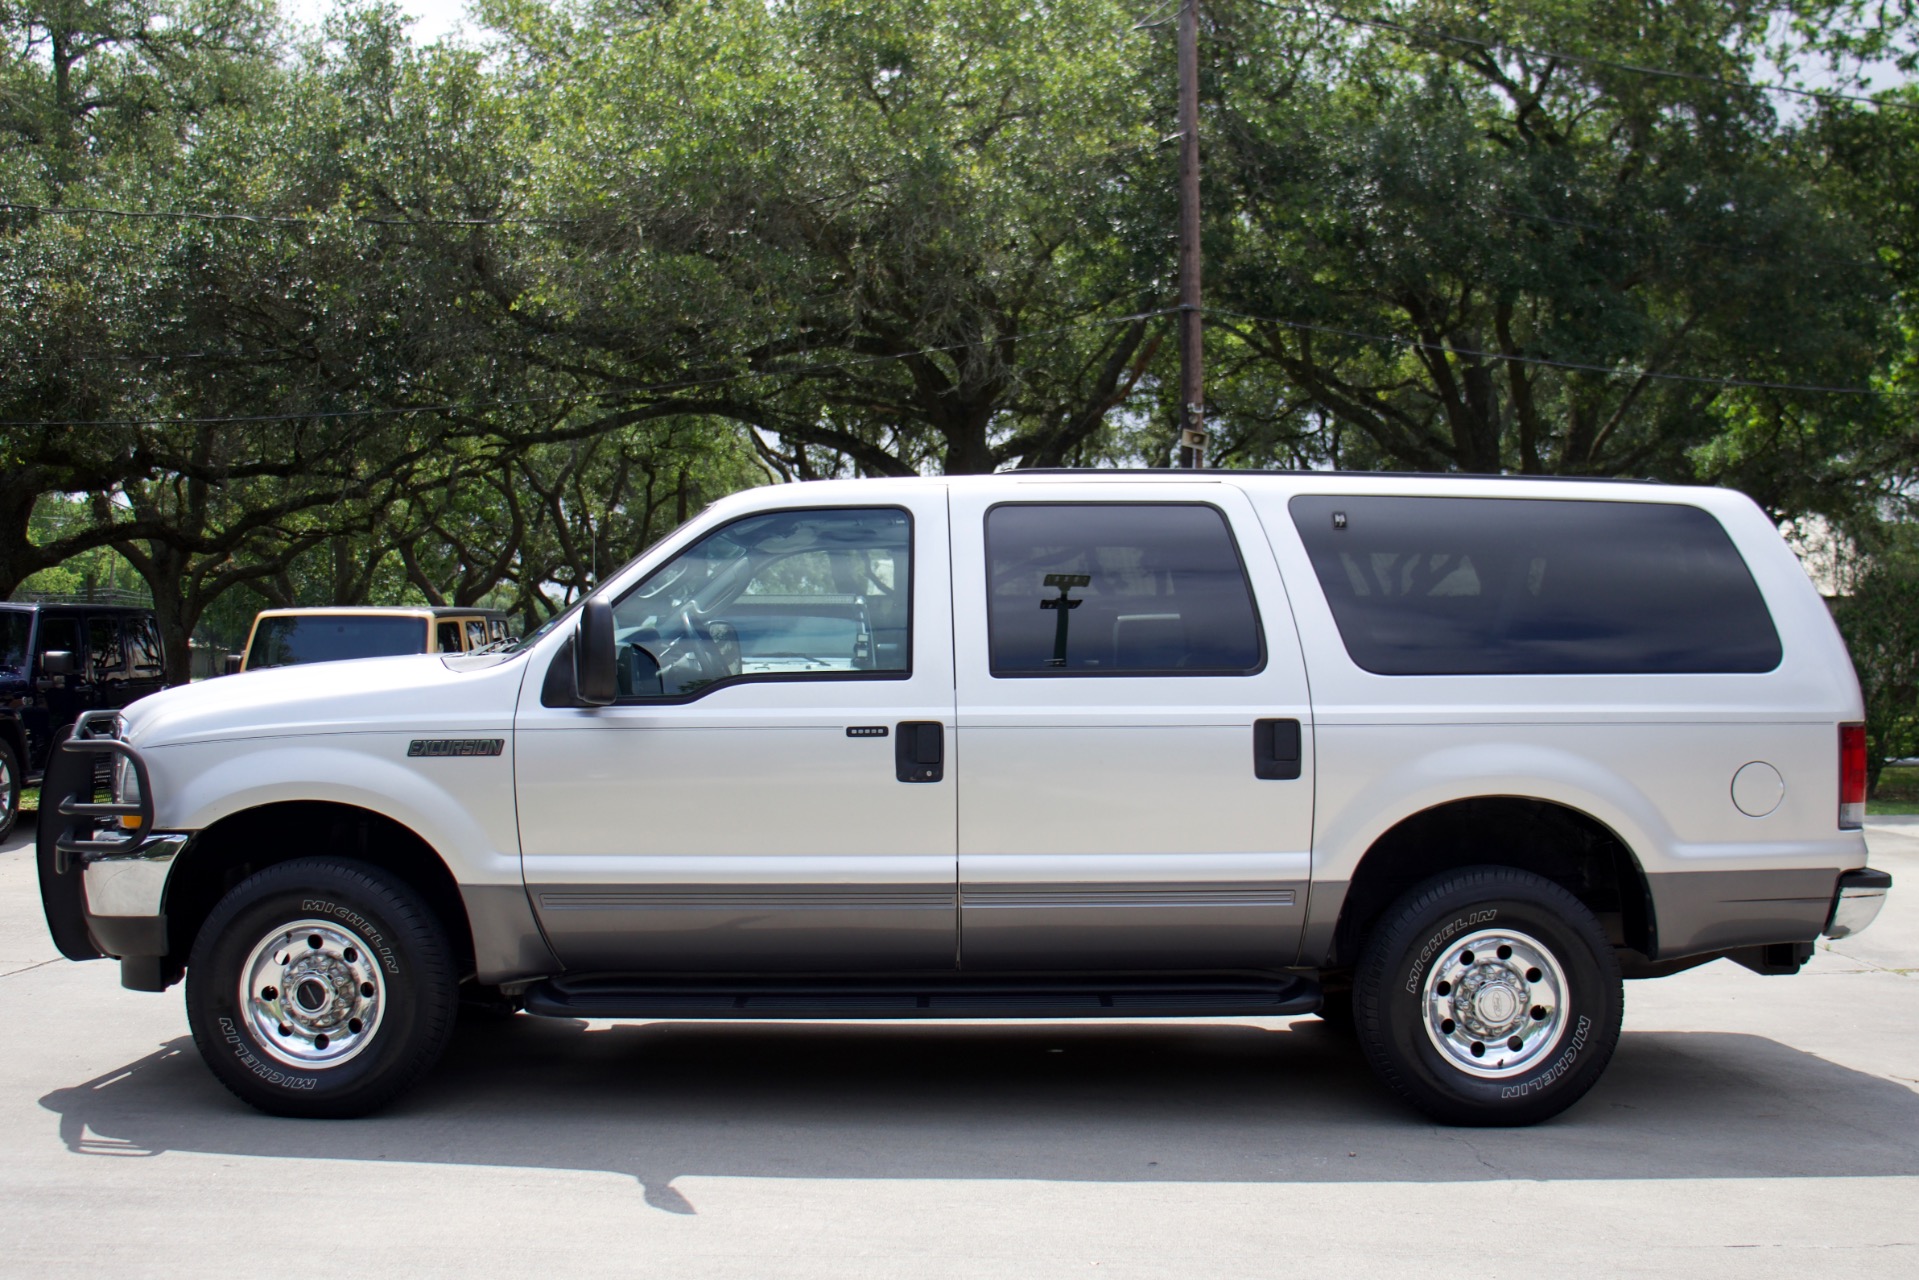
x,y
1012,996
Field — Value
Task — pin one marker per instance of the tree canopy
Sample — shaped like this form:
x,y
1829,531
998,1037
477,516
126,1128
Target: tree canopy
x,y
296,317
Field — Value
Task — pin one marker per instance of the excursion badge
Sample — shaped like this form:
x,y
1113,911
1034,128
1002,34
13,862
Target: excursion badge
x,y
432,747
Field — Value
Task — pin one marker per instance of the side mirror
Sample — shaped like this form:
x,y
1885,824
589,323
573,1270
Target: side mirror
x,y
56,662
235,663
595,664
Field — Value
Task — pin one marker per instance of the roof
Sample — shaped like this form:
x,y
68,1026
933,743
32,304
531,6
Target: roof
x,y
393,610
75,606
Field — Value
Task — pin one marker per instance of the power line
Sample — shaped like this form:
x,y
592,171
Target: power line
x,y
1664,73
1610,371
469,406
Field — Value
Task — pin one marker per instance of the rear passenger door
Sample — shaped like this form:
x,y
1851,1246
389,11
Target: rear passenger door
x,y
1135,740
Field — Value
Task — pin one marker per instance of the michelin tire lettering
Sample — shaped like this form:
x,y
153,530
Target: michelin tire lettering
x,y
272,1075
1440,939
347,915
1560,1066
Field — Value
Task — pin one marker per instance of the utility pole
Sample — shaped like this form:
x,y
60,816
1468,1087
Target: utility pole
x,y
1192,394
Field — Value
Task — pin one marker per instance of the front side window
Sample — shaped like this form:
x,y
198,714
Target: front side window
x,y
788,595
448,640
61,635
1525,586
1117,589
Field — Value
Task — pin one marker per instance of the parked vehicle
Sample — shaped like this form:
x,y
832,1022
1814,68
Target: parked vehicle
x,y
1443,759
290,637
58,661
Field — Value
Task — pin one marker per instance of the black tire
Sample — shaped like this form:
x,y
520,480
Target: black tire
x,y
11,781
1414,972
381,949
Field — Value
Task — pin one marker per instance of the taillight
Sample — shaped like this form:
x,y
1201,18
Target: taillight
x,y
1852,776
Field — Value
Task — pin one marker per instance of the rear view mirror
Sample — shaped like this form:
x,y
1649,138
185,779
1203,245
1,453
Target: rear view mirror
x,y
56,662
595,665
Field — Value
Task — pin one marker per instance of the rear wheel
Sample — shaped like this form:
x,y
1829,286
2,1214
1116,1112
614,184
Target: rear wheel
x,y
320,988
1489,996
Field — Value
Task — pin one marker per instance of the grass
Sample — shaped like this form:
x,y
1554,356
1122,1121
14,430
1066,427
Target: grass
x,y
29,800
1898,792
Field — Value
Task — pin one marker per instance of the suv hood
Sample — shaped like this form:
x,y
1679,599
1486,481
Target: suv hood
x,y
414,693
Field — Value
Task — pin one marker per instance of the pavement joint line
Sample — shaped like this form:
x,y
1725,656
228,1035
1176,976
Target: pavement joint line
x,y
30,968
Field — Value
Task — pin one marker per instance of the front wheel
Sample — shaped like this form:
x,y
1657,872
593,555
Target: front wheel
x,y
320,988
10,782
1489,996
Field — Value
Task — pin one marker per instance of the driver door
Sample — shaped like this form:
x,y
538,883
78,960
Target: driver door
x,y
750,803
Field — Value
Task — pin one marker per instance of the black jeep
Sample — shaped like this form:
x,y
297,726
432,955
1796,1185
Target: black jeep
x,y
56,661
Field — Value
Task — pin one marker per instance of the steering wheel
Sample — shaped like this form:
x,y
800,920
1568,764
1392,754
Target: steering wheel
x,y
725,638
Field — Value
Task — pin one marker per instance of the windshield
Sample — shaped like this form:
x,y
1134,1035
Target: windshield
x,y
14,625
517,644
290,641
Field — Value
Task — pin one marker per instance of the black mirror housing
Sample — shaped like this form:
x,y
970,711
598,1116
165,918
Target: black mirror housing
x,y
595,666
235,661
56,662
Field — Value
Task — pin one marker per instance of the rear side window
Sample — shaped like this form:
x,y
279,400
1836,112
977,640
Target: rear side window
x,y
143,646
1517,586
108,659
288,641
1117,589
14,626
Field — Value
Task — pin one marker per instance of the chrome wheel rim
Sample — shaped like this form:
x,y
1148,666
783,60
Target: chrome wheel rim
x,y
1495,1004
313,994
6,787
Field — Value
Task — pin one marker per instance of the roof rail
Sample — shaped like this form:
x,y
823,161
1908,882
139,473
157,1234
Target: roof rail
x,y
119,596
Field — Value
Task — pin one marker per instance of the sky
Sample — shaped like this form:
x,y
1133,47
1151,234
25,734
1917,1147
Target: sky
x,y
436,18
432,18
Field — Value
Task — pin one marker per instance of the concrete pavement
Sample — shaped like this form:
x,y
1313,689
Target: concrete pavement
x,y
1748,1127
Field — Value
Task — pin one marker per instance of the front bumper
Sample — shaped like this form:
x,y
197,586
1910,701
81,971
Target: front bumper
x,y
103,870
1856,902
124,896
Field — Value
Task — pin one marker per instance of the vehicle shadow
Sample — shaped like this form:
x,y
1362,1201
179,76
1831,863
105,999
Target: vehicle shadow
x,y
1192,1102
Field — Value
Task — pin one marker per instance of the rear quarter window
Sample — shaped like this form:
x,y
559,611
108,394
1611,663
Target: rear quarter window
x,y
1519,586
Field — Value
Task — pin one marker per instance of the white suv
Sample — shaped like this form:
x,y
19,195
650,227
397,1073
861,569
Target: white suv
x,y
1440,758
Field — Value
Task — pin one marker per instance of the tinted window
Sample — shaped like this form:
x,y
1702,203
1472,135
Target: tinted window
x,y
787,595
108,659
449,637
1117,589
475,634
14,626
143,647
61,635
1485,586
286,642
